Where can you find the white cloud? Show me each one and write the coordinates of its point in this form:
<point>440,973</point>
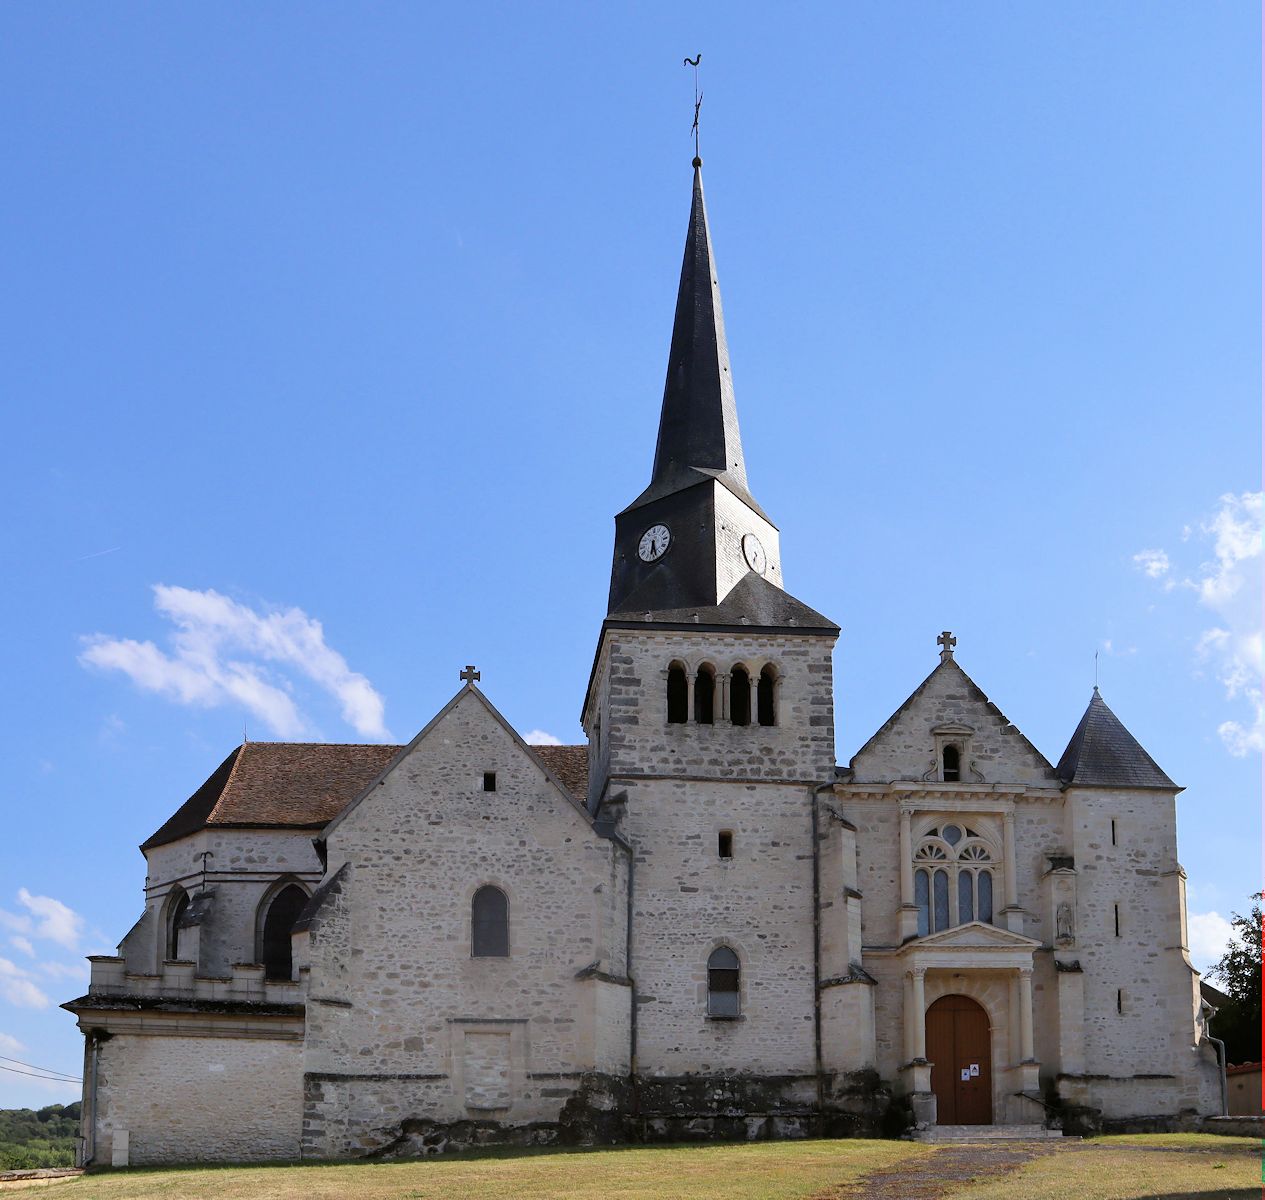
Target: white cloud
<point>1209,934</point>
<point>18,942</point>
<point>51,919</point>
<point>214,641</point>
<point>1154,562</point>
<point>18,987</point>
<point>538,737</point>
<point>10,1045</point>
<point>1230,587</point>
<point>75,970</point>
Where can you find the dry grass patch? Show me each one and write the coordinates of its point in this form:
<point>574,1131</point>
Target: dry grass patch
<point>1146,1167</point>
<point>753,1171</point>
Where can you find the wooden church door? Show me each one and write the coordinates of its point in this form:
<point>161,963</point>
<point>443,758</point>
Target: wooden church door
<point>960,1050</point>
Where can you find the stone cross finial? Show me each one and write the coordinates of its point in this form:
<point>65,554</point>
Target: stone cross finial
<point>470,675</point>
<point>947,641</point>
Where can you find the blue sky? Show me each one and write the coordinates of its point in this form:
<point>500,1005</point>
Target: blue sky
<point>333,336</point>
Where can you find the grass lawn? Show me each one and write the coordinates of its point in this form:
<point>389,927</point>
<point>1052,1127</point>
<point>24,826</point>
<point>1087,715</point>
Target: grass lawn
<point>1154,1167</point>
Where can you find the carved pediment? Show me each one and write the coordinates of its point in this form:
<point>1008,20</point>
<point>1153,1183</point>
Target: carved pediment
<point>974,935</point>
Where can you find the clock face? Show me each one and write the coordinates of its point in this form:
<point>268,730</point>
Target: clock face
<point>754,553</point>
<point>654,543</point>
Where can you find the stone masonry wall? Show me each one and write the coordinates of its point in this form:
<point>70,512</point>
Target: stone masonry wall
<point>404,1024</point>
<point>187,1099</point>
<point>674,788</point>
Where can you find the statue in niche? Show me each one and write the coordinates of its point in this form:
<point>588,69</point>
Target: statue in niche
<point>1065,930</point>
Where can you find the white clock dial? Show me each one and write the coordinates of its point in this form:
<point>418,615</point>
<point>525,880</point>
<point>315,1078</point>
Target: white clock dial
<point>754,553</point>
<point>654,543</point>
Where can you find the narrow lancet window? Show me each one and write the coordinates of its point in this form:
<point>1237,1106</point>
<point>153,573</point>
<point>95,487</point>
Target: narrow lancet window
<point>283,912</point>
<point>922,898</point>
<point>678,695</point>
<point>489,924</point>
<point>986,897</point>
<point>722,983</point>
<point>764,697</point>
<point>966,897</point>
<point>176,908</point>
<point>705,695</point>
<point>740,696</point>
<point>952,764</point>
<point>940,893</point>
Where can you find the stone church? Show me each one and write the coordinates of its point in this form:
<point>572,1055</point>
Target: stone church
<point>694,925</point>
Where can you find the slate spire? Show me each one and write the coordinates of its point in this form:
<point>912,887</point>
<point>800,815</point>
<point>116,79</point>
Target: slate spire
<point>698,424</point>
<point>1104,753</point>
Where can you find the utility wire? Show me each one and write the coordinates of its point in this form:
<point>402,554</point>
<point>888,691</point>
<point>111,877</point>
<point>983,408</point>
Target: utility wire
<point>44,1070</point>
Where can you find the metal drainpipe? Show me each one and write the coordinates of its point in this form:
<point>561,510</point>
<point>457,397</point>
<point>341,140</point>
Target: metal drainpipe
<point>1225,1087</point>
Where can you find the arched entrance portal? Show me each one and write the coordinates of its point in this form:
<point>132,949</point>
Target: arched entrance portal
<point>960,1050</point>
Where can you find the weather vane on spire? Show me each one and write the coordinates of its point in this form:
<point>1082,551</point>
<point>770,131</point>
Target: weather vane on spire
<point>698,102</point>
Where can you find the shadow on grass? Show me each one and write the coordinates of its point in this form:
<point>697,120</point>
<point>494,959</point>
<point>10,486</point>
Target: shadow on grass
<point>479,1153</point>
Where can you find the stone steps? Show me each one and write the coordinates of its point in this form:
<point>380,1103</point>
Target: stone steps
<point>985,1133</point>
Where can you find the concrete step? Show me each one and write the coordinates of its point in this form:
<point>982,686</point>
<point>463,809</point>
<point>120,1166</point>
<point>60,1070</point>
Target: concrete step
<point>985,1133</point>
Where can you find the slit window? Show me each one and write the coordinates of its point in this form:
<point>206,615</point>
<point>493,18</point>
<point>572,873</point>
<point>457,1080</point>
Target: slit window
<point>489,924</point>
<point>952,764</point>
<point>725,844</point>
<point>678,695</point>
<point>1113,831</point>
<point>740,696</point>
<point>489,781</point>
<point>764,697</point>
<point>705,696</point>
<point>722,983</point>
<point>1116,910</point>
<point>1120,1001</point>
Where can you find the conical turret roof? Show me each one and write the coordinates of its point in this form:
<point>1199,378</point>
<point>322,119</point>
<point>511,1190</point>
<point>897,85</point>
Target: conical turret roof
<point>1104,753</point>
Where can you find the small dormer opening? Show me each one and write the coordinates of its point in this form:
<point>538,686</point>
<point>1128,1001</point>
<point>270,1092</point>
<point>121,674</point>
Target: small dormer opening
<point>489,781</point>
<point>764,697</point>
<point>952,764</point>
<point>705,695</point>
<point>678,695</point>
<point>740,696</point>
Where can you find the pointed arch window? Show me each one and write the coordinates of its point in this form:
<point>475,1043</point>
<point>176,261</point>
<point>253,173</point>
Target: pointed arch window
<point>705,695</point>
<point>766,690</point>
<point>678,695</point>
<point>740,696</point>
<point>177,906</point>
<point>723,983</point>
<point>280,914</point>
<point>489,923</point>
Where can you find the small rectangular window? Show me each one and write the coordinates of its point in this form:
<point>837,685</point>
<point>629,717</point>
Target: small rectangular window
<point>1116,907</point>
<point>489,781</point>
<point>1113,831</point>
<point>725,844</point>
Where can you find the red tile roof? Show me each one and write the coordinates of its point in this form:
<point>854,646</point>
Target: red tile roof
<point>305,785</point>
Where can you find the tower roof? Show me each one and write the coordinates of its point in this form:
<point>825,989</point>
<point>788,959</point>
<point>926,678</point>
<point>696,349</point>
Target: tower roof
<point>698,424</point>
<point>1104,753</point>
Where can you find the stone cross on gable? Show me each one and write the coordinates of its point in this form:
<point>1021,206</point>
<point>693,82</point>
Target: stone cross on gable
<point>470,675</point>
<point>947,641</point>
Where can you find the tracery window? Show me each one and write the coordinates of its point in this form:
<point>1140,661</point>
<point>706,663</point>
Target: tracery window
<point>722,983</point>
<point>953,878</point>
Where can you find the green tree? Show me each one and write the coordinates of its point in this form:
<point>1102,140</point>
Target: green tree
<point>1238,1023</point>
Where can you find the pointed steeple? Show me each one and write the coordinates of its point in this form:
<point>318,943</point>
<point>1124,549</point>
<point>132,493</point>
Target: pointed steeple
<point>1104,753</point>
<point>698,424</point>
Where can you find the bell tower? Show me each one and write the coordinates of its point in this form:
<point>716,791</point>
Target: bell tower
<point>710,718</point>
